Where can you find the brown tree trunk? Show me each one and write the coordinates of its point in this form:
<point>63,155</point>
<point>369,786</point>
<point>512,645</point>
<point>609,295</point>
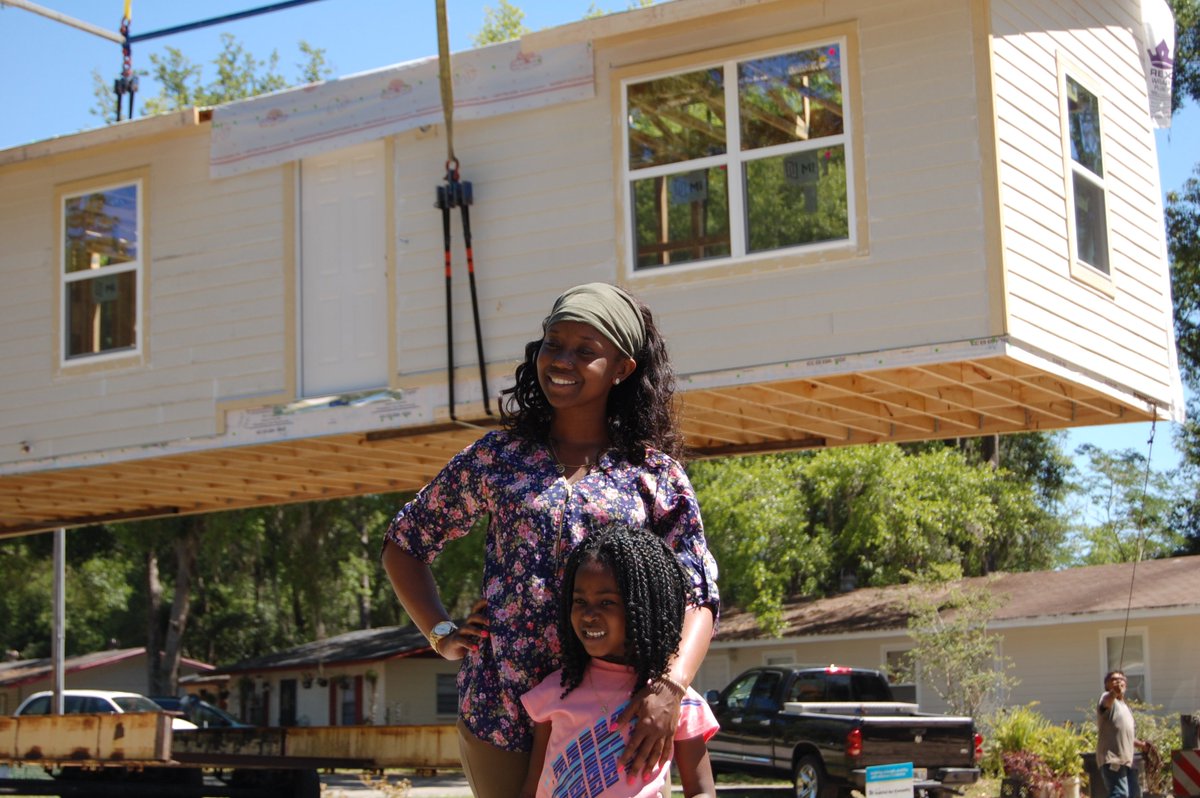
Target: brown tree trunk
<point>165,628</point>
<point>186,546</point>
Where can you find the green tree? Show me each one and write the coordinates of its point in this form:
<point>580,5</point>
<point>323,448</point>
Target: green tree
<point>953,651</point>
<point>502,23</point>
<point>1187,52</point>
<point>239,74</point>
<point>756,520</point>
<point>1130,509</point>
<point>1183,242</point>
<point>1183,232</point>
<point>787,524</point>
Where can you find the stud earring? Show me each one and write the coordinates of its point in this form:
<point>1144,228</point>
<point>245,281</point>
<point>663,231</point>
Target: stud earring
<point>617,381</point>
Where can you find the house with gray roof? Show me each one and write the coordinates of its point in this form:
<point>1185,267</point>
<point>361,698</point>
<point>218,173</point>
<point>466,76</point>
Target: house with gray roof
<point>379,676</point>
<point>1060,630</point>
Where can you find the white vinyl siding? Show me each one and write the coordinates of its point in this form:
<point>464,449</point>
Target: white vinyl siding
<point>1106,323</point>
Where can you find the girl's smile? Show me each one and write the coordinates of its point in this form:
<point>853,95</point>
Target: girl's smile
<point>598,613</point>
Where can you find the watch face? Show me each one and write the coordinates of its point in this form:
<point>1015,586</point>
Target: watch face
<point>443,628</point>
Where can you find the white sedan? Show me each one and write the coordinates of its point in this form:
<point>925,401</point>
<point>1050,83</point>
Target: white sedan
<point>95,702</point>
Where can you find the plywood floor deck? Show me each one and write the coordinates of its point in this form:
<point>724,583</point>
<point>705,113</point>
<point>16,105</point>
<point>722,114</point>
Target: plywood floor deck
<point>947,400</point>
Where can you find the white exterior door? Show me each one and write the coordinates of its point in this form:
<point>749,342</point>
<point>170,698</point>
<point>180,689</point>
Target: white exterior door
<point>343,272</point>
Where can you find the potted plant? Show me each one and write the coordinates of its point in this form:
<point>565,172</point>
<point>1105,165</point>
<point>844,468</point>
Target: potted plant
<point>1062,749</point>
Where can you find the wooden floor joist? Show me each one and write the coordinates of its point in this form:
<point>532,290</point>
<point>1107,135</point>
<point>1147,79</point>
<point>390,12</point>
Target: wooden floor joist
<point>910,403</point>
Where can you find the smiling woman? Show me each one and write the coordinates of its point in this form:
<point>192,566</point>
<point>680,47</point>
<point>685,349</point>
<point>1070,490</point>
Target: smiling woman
<point>590,439</point>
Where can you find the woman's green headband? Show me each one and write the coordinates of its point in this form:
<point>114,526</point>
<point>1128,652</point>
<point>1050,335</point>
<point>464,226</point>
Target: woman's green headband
<point>607,308</point>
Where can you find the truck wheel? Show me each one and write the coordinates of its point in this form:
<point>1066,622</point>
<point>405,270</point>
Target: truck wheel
<point>808,777</point>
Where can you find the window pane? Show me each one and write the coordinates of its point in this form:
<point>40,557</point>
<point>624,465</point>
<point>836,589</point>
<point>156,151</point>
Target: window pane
<point>1091,231</point>
<point>101,313</point>
<point>1127,655</point>
<point>681,217</point>
<point>1083,120</point>
<point>790,97</point>
<point>447,694</point>
<point>101,229</point>
<point>677,118</point>
<point>799,198</point>
<point>349,714</point>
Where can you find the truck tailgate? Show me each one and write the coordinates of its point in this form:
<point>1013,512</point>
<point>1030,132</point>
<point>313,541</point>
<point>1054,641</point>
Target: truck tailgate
<point>934,741</point>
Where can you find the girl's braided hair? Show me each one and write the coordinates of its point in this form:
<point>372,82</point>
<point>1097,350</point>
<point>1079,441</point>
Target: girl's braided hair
<point>654,590</point>
<point>640,412</point>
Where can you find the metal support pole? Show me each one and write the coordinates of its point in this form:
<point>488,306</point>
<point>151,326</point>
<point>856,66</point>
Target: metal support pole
<point>60,615</point>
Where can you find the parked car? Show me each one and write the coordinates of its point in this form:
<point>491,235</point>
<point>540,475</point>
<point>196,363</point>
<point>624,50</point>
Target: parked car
<point>823,727</point>
<point>199,712</point>
<point>97,701</point>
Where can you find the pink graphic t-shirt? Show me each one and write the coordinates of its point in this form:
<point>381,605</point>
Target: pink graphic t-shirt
<point>582,755</point>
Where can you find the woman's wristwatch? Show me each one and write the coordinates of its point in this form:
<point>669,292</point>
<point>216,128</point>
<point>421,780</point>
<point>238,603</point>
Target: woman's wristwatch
<point>441,630</point>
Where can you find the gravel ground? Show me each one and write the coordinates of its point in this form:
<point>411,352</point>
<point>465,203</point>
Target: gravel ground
<point>452,784</point>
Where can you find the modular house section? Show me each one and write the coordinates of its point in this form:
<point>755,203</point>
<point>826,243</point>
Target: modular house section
<point>856,223</point>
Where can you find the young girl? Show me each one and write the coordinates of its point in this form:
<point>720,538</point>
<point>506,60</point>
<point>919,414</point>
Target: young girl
<point>622,612</point>
<point>589,439</point>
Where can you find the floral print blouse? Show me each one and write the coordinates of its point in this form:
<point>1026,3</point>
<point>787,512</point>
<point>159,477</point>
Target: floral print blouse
<point>537,519</point>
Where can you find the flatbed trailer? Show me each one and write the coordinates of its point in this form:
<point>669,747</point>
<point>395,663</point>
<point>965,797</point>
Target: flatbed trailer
<point>138,754</point>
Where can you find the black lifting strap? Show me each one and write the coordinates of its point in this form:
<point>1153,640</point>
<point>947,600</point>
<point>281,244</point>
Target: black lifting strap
<point>128,82</point>
<point>457,193</point>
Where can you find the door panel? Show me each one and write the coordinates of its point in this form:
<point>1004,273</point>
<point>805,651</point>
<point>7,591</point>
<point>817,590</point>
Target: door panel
<point>343,272</point>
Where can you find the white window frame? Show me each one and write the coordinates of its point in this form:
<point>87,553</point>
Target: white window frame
<point>1144,671</point>
<point>884,651</point>
<point>137,266</point>
<point>779,656</point>
<point>1080,269</point>
<point>734,159</point>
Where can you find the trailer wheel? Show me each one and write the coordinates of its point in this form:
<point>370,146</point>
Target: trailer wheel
<point>305,784</point>
<point>808,777</point>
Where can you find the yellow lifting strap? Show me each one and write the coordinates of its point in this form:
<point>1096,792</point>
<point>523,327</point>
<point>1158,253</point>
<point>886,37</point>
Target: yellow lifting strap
<point>446,77</point>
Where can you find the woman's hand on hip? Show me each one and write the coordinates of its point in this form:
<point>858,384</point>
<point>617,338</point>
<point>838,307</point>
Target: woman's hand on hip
<point>468,637</point>
<point>649,746</point>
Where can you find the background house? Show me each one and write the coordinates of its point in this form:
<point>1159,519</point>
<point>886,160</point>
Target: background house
<point>380,676</point>
<point>856,222</point>
<point>1062,630</point>
<point>113,669</point>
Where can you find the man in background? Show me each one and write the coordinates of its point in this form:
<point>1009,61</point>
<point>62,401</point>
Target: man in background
<point>1115,743</point>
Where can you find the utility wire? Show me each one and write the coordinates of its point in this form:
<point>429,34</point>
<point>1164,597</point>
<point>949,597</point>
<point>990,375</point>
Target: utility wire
<point>154,34</point>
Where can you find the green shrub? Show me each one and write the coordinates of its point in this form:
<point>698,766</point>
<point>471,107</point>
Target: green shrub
<point>1062,748</point>
<point>1011,730</point>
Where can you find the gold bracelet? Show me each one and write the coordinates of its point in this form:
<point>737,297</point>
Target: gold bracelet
<point>676,686</point>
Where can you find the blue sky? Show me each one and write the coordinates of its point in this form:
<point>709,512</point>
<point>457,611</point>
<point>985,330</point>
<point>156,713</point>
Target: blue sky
<point>48,89</point>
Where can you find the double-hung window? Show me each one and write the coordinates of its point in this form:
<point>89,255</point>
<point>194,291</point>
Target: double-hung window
<point>739,157</point>
<point>1086,189</point>
<point>101,271</point>
<point>1125,651</point>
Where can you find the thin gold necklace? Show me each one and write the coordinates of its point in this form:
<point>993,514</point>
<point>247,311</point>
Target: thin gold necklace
<point>562,467</point>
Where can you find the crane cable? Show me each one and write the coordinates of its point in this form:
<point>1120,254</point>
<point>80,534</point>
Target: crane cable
<point>1141,540</point>
<point>455,193</point>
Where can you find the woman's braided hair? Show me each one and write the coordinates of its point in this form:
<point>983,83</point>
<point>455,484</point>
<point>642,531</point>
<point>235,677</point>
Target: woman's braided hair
<point>654,590</point>
<point>640,412</point>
